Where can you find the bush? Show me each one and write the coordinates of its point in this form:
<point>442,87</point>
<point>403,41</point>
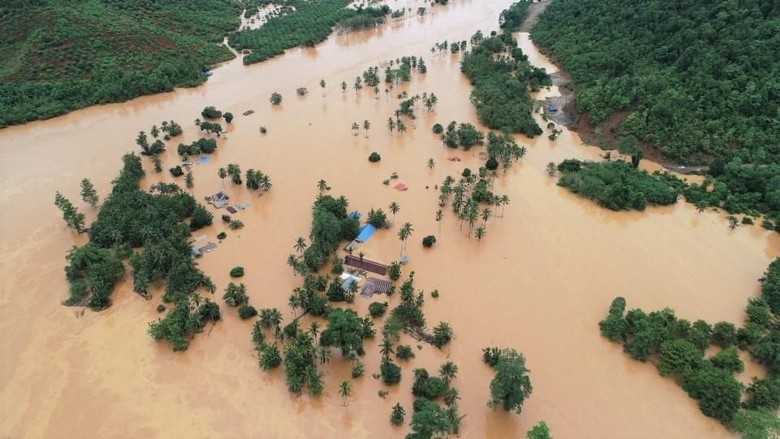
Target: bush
<point>200,218</point>
<point>404,352</point>
<point>428,241</point>
<point>237,271</point>
<point>276,98</point>
<point>211,113</point>
<point>438,129</point>
<point>161,308</point>
<point>374,157</point>
<point>221,235</point>
<point>377,309</point>
<point>177,171</point>
<point>394,273</point>
<point>225,218</point>
<point>228,117</point>
<point>391,373</point>
<point>269,357</point>
<point>235,224</point>
<point>247,312</point>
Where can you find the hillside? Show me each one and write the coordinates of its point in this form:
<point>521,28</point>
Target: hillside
<point>697,79</point>
<point>60,55</point>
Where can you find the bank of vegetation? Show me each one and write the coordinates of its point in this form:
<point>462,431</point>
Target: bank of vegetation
<point>57,56</point>
<point>696,80</point>
<point>303,23</point>
<point>703,358</point>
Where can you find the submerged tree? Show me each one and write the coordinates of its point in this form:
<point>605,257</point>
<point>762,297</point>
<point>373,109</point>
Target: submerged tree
<point>88,193</point>
<point>511,385</point>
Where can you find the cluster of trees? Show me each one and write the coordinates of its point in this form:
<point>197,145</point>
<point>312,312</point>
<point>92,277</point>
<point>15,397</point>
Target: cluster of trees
<point>155,225</point>
<point>691,77</point>
<point>364,18</point>
<point>200,146</point>
<point>679,349</point>
<point>467,195</point>
<point>236,296</point>
<point>92,53</point>
<point>511,385</point>
<point>744,188</point>
<point>464,134</point>
<point>502,150</point>
<point>429,417</point>
<point>330,226</point>
<point>304,23</point>
<point>502,77</point>
<point>618,185</point>
<point>258,180</point>
<point>70,214</point>
<point>513,17</point>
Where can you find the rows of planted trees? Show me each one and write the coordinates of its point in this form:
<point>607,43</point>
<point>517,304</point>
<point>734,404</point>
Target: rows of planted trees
<point>703,358</point>
<point>305,23</point>
<point>58,57</point>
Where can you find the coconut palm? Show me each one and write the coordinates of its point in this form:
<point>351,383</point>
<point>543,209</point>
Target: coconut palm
<point>394,208</point>
<point>390,124</point>
<point>504,203</point>
<point>439,217</point>
<point>345,390</point>
<point>222,173</point>
<point>324,354</point>
<point>355,128</point>
<point>322,185</point>
<point>480,233</point>
<point>300,244</point>
<point>486,214</point>
<point>366,126</point>
<point>314,329</point>
<point>322,85</point>
<point>431,163</point>
<point>448,371</point>
<point>264,182</point>
<point>404,234</point>
<point>292,261</point>
<point>401,126</point>
<point>234,171</point>
<point>386,349</point>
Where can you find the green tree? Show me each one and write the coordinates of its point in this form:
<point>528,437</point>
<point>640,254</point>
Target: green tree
<point>300,244</point>
<point>344,331</point>
<point>345,391</point>
<point>539,431</point>
<point>448,372</point>
<point>276,98</point>
<point>222,173</point>
<point>394,208</point>
<point>366,126</point>
<point>88,193</point>
<point>442,334</point>
<point>511,385</point>
<point>404,234</point>
<point>397,415</point>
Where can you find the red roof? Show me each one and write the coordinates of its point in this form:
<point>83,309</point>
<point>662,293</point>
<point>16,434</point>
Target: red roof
<point>401,186</point>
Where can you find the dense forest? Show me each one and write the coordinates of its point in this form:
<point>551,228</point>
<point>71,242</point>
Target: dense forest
<point>57,55</point>
<point>703,358</point>
<point>697,80</point>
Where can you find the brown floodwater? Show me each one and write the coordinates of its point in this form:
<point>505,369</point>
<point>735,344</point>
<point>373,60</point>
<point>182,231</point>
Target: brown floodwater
<point>539,282</point>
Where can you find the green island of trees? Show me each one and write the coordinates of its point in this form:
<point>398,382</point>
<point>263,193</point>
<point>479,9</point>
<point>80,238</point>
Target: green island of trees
<point>679,349</point>
<point>697,81</point>
<point>156,226</point>
<point>502,78</point>
<point>618,185</point>
<point>59,56</point>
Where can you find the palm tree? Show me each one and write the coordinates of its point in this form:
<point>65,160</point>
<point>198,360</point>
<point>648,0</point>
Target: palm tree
<point>300,244</point>
<point>264,182</point>
<point>448,371</point>
<point>480,233</point>
<point>222,174</point>
<point>486,214</point>
<point>345,390</point>
<point>322,85</point>
<point>504,200</point>
<point>394,208</point>
<point>404,234</point>
<point>390,124</point>
<point>343,86</point>
<point>400,126</point>
<point>322,185</point>
<point>439,217</point>
<point>324,355</point>
<point>355,128</point>
<point>431,163</point>
<point>386,348</point>
<point>366,126</point>
<point>292,261</point>
<point>314,329</point>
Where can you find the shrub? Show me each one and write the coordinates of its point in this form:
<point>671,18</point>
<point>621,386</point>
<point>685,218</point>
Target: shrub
<point>404,352</point>
<point>398,415</point>
<point>235,224</point>
<point>247,312</point>
<point>237,271</point>
<point>221,235</point>
<point>270,358</point>
<point>394,273</point>
<point>438,129</point>
<point>161,308</point>
<point>263,130</point>
<point>377,309</point>
<point>374,157</point>
<point>225,218</point>
<point>276,98</point>
<point>211,113</point>
<point>391,373</point>
<point>177,171</point>
<point>428,241</point>
<point>228,117</point>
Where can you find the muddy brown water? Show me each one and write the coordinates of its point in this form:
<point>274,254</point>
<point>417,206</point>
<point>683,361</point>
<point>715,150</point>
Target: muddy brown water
<point>539,282</point>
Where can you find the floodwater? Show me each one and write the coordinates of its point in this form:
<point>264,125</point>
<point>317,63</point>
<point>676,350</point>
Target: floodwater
<point>539,282</point>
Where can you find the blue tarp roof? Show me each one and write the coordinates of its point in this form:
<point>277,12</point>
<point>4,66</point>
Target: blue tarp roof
<point>365,233</point>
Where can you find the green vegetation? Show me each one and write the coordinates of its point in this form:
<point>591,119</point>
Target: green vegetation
<point>429,241</point>
<point>502,77</point>
<point>688,80</point>
<point>686,76</point>
<point>512,17</point>
<point>618,185</point>
<point>678,348</point>
<point>511,385</point>
<point>72,217</point>
<point>398,415</point>
<point>330,225</point>
<point>57,56</point>
<point>302,23</point>
<point>374,157</point>
<point>198,147</point>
